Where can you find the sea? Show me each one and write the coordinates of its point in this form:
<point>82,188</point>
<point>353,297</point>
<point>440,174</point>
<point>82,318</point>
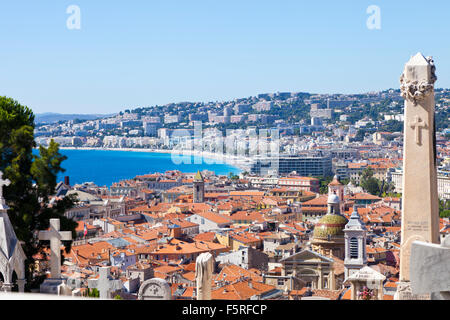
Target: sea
<point>104,167</point>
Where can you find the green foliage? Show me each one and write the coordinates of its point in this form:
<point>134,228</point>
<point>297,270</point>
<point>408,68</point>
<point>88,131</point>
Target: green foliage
<point>443,119</point>
<point>93,293</point>
<point>444,209</point>
<point>360,135</point>
<point>392,126</point>
<point>373,185</point>
<point>232,176</point>
<point>33,180</point>
<point>323,184</point>
<point>118,297</point>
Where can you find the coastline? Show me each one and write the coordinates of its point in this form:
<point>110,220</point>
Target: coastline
<point>240,162</point>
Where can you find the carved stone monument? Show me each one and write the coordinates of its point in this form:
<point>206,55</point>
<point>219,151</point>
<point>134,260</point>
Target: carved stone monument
<point>155,289</point>
<point>430,269</point>
<point>204,267</point>
<point>105,284</point>
<point>12,257</point>
<point>420,215</point>
<point>53,285</point>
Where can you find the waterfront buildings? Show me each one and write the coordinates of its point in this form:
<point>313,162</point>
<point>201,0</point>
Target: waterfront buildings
<point>312,166</point>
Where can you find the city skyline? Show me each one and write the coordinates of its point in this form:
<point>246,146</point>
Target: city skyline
<point>157,53</point>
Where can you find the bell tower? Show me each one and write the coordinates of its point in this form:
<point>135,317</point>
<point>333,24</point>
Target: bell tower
<point>355,244</point>
<point>199,188</point>
<point>337,188</point>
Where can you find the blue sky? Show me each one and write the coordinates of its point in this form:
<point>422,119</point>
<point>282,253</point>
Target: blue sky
<point>142,53</point>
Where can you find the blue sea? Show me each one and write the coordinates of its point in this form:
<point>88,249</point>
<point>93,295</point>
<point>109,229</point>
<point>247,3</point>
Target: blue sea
<point>104,167</point>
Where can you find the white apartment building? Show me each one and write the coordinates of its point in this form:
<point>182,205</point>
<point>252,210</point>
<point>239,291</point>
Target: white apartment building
<point>443,182</point>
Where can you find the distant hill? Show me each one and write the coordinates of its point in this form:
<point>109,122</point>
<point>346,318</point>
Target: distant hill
<point>50,117</point>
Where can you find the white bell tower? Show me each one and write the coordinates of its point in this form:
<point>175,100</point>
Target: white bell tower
<point>355,244</point>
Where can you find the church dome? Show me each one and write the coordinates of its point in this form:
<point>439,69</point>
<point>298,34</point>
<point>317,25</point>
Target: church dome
<point>330,225</point>
<point>332,199</point>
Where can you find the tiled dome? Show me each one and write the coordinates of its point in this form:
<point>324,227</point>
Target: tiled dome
<point>330,225</point>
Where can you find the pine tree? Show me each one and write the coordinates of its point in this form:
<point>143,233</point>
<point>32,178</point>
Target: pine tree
<point>33,181</point>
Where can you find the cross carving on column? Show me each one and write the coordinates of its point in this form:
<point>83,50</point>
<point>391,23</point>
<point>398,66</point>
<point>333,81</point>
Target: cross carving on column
<point>3,183</point>
<point>417,125</point>
<point>55,236</point>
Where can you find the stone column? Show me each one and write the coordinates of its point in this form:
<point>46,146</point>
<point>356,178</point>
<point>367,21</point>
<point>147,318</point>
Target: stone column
<point>7,287</point>
<point>21,284</point>
<point>420,215</point>
<point>204,266</point>
<point>353,288</point>
<point>320,281</point>
<point>331,279</point>
<point>380,291</point>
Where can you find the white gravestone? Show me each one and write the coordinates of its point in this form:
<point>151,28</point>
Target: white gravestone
<point>155,289</point>
<point>430,269</point>
<point>55,236</point>
<point>204,267</point>
<point>105,284</point>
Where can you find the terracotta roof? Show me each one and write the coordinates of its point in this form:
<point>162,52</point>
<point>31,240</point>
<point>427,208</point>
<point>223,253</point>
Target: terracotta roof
<point>241,290</point>
<point>335,182</point>
<point>215,217</point>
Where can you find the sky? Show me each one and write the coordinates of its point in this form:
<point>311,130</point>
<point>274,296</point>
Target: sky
<point>142,53</point>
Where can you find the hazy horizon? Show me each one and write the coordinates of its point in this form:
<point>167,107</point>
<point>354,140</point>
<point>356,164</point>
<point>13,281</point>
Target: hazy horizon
<point>150,53</point>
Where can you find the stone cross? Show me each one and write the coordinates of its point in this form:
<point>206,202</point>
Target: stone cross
<point>430,269</point>
<point>420,213</point>
<point>417,125</point>
<point>204,267</point>
<point>105,284</point>
<point>55,236</point>
<point>3,183</point>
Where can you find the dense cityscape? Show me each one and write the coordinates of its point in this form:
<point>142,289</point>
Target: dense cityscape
<point>277,234</point>
<point>224,158</point>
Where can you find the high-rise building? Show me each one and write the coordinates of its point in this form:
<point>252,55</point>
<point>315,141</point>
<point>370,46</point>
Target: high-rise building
<point>307,166</point>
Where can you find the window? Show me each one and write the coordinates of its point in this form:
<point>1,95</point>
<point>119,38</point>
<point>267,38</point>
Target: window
<point>281,282</point>
<point>353,248</point>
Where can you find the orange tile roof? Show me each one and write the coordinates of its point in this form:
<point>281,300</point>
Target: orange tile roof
<point>215,217</point>
<point>247,193</point>
<point>241,290</point>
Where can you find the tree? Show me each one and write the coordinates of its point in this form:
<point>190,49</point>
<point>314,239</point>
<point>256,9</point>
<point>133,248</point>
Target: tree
<point>360,135</point>
<point>444,208</point>
<point>369,182</point>
<point>33,181</point>
<point>323,184</point>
